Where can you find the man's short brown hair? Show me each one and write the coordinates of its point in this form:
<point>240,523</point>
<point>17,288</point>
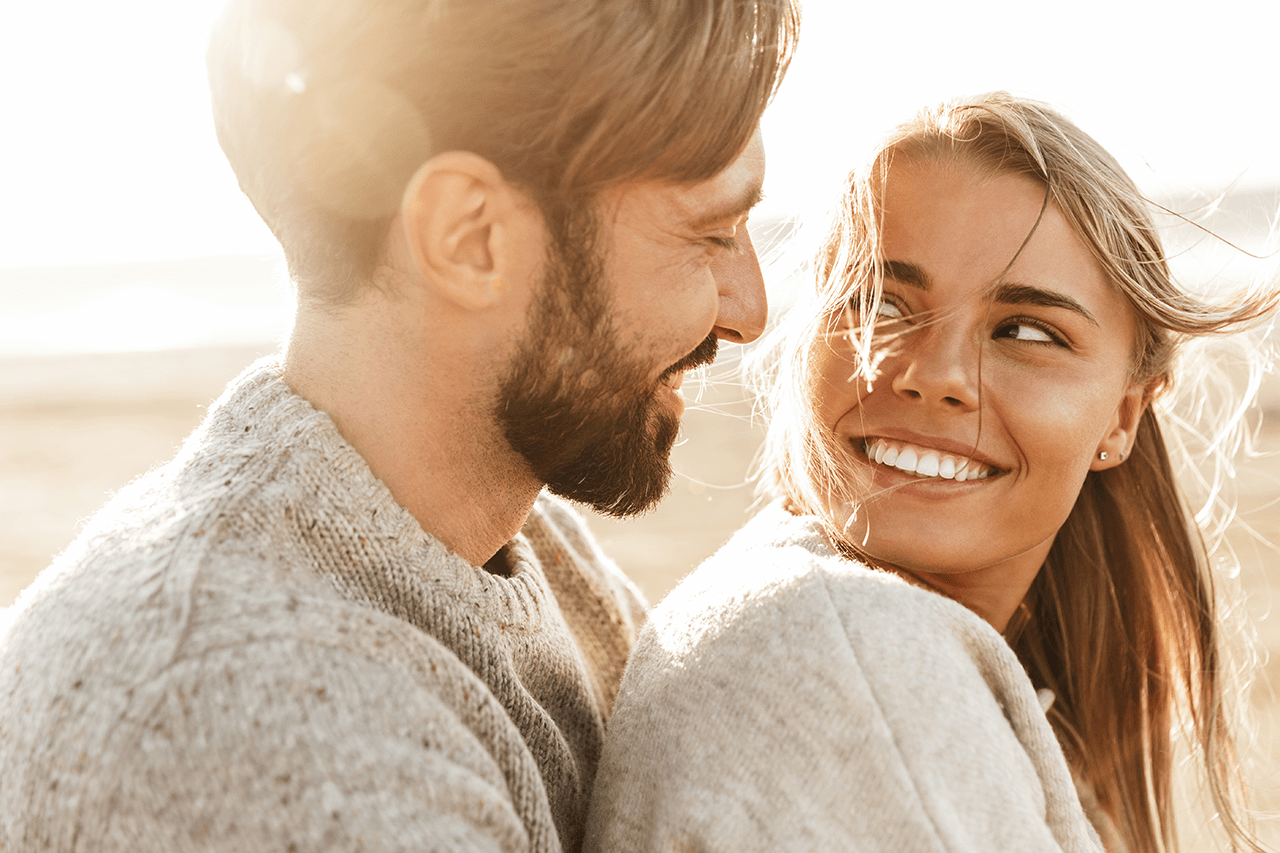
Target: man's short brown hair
<point>325,108</point>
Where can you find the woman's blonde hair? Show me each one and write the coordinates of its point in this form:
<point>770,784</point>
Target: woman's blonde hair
<point>1123,621</point>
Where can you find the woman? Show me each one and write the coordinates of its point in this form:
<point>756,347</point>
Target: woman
<point>980,600</point>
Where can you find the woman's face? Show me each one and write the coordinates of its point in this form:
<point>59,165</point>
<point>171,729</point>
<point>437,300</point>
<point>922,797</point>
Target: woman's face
<point>994,396</point>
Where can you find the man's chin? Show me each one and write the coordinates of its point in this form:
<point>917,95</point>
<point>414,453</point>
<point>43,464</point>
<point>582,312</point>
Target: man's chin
<point>625,475</point>
<point>671,399</point>
<point>613,505</point>
<point>609,501</point>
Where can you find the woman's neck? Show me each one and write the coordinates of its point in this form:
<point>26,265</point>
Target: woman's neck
<point>994,593</point>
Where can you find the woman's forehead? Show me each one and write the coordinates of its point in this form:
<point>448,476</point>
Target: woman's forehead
<point>961,223</point>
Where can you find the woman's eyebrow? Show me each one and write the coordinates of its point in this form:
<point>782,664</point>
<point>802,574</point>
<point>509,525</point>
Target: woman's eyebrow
<point>906,273</point>
<point>1008,293</point>
<point>1024,294</point>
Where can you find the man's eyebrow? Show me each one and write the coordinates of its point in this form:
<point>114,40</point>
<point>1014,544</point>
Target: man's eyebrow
<point>749,198</point>
<point>1007,293</point>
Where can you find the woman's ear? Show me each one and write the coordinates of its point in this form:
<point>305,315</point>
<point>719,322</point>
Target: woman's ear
<point>458,213</point>
<point>1117,445</point>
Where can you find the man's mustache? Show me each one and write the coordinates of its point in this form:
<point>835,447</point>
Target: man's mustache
<point>704,354</point>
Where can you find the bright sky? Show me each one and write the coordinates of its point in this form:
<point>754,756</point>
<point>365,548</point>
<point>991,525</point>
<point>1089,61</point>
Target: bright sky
<point>108,154</point>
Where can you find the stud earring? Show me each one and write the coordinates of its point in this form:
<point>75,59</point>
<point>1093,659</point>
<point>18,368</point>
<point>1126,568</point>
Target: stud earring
<point>1103,456</point>
<point>1121,455</point>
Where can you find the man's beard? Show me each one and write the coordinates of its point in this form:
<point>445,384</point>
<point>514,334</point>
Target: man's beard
<point>585,416</point>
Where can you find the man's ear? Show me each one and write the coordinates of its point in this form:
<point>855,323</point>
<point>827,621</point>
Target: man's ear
<point>1117,445</point>
<point>458,213</point>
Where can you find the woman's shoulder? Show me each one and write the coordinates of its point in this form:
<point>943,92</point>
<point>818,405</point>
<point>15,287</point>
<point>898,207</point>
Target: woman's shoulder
<point>780,664</point>
<point>781,569</point>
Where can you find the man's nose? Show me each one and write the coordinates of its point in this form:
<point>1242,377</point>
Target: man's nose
<point>743,308</point>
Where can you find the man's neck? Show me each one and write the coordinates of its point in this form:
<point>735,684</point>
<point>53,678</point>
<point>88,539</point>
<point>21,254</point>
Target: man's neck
<point>417,409</point>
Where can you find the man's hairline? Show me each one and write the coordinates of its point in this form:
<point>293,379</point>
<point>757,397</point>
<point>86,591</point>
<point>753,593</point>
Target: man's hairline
<point>742,204</point>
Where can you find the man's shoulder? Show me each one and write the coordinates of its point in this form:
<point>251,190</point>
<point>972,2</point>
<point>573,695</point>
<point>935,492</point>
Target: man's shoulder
<point>173,655</point>
<point>179,677</point>
<point>133,603</point>
<point>252,711</point>
<point>210,558</point>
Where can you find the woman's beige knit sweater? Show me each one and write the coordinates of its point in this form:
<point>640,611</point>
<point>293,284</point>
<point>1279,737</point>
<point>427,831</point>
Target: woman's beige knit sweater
<point>786,699</point>
<point>255,648</point>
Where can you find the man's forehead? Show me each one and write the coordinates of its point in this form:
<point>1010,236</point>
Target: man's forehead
<point>729,207</point>
<point>724,197</point>
<point>734,191</point>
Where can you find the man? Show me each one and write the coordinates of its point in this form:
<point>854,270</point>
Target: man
<point>347,616</point>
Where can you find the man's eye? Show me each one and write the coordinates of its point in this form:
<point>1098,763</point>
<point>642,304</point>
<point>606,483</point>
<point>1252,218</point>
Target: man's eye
<point>729,244</point>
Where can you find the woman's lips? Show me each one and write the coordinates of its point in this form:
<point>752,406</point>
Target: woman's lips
<point>923,461</point>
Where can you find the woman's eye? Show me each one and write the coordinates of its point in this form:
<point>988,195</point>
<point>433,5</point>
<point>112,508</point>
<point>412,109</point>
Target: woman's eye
<point>889,311</point>
<point>885,310</point>
<point>1025,332</point>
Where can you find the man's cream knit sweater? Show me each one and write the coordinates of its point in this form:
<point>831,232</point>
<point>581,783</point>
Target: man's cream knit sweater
<point>784,698</point>
<point>255,648</point>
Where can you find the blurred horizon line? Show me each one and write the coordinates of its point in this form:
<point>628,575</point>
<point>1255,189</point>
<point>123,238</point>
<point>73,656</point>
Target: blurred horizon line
<point>1183,200</point>
<point>182,303</point>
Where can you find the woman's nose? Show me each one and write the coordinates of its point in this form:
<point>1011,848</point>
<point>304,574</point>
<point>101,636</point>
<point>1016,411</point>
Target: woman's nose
<point>937,365</point>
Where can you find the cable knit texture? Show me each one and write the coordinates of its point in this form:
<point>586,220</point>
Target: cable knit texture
<point>784,698</point>
<point>256,648</point>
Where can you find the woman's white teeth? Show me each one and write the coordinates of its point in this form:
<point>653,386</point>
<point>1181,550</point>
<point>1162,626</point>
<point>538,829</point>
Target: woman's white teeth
<point>923,462</point>
<point>929,465</point>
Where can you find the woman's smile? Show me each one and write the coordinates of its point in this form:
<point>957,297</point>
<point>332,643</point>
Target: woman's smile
<point>923,462</point>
